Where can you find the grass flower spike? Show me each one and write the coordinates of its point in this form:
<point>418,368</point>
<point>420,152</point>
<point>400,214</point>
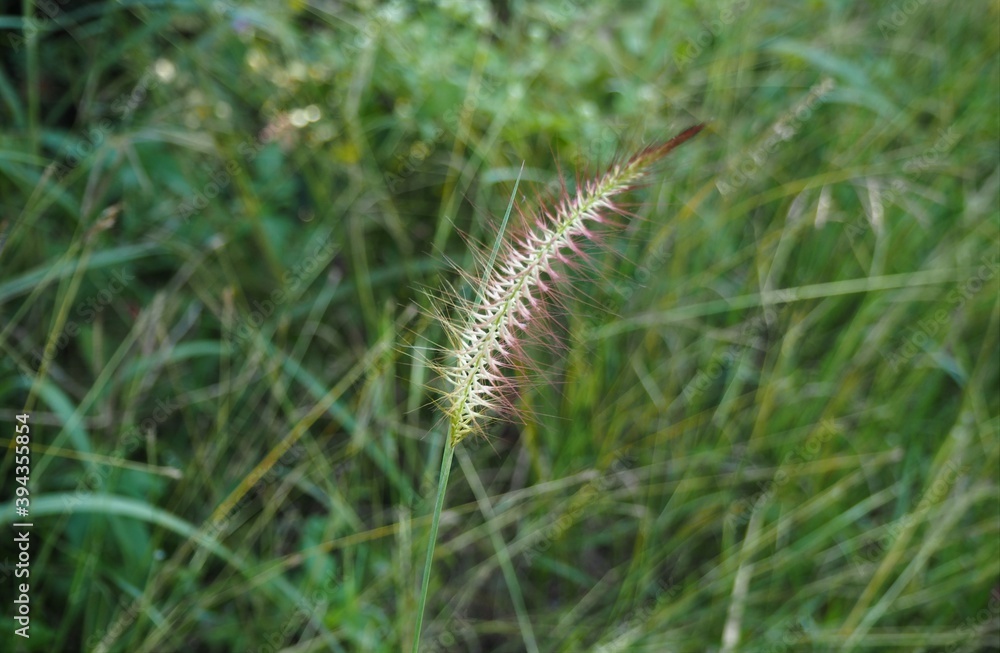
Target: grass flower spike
<point>484,339</point>
<point>487,334</point>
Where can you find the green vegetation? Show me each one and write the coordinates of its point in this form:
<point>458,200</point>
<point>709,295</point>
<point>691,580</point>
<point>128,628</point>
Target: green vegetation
<point>771,419</point>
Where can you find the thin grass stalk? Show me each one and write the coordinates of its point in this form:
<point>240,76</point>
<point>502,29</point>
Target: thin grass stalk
<point>446,457</point>
<point>449,448</point>
<point>488,327</point>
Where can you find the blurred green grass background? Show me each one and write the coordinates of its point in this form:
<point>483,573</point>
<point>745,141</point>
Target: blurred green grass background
<point>772,422</point>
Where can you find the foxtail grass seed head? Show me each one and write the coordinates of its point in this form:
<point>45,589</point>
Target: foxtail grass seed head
<point>489,330</point>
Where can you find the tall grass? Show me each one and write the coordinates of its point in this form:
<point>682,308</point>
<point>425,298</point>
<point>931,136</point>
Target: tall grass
<point>772,423</point>
<point>489,330</point>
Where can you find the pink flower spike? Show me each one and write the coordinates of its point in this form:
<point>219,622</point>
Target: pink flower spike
<point>486,337</point>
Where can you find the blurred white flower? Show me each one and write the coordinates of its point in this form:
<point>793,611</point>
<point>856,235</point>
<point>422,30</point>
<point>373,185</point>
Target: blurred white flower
<point>165,70</point>
<point>298,118</point>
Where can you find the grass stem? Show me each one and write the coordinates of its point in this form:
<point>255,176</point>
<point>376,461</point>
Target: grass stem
<point>446,458</point>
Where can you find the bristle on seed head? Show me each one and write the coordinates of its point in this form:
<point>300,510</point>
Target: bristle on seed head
<point>488,332</point>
